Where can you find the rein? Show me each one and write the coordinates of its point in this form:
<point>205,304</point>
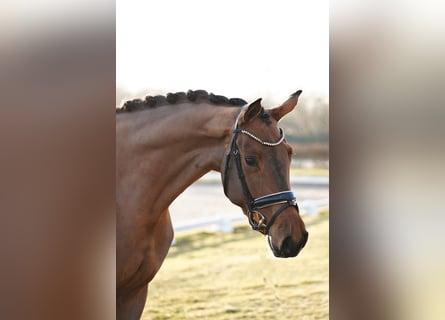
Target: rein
<point>286,198</point>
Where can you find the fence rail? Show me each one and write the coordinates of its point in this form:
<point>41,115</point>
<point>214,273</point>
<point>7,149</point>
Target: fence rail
<point>294,180</point>
<point>224,223</point>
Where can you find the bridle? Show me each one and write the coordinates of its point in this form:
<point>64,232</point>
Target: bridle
<point>286,198</point>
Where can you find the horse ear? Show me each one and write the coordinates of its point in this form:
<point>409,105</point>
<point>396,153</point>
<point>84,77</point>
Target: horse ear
<point>253,110</point>
<point>286,106</point>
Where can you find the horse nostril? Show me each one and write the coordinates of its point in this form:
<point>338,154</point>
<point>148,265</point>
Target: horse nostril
<point>289,248</point>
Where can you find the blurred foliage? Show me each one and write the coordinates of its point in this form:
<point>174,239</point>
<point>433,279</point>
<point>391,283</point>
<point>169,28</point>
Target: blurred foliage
<point>309,122</point>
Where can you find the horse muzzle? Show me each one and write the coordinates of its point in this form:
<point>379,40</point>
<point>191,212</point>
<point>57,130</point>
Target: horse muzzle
<point>289,247</point>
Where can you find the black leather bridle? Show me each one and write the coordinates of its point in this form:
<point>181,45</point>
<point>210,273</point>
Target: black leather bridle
<point>256,219</point>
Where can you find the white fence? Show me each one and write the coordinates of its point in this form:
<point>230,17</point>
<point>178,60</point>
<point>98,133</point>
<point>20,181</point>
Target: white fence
<point>224,223</point>
<point>294,180</point>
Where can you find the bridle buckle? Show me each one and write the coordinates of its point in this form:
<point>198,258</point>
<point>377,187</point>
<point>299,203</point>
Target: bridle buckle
<point>261,225</point>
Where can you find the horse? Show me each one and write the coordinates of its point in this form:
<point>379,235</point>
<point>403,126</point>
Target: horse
<point>164,144</point>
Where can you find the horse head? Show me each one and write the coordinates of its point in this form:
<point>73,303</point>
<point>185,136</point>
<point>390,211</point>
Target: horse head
<point>255,174</point>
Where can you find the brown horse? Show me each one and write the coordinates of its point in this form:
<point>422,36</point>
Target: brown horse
<point>164,144</point>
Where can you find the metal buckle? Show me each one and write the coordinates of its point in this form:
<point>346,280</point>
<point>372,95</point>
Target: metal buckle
<point>261,225</point>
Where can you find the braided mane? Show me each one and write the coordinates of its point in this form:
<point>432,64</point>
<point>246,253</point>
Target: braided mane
<point>178,97</point>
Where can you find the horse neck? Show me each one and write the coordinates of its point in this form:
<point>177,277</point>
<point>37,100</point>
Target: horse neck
<point>173,146</point>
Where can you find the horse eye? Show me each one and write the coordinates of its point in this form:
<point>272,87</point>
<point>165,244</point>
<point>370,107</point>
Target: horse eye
<point>251,161</point>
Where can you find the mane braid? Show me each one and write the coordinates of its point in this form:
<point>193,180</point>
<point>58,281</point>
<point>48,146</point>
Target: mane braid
<point>195,96</point>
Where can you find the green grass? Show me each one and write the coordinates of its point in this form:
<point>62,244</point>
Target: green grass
<point>234,276</point>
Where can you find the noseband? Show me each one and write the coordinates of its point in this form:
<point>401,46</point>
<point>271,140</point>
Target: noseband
<point>286,198</point>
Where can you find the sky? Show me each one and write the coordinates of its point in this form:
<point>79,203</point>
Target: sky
<point>246,49</point>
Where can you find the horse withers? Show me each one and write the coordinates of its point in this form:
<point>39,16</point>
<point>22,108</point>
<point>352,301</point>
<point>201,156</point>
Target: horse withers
<point>164,144</point>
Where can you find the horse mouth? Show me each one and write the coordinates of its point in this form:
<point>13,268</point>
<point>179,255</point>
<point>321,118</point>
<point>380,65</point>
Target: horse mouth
<point>289,248</point>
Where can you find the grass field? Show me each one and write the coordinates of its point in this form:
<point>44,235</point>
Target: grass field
<point>234,276</point>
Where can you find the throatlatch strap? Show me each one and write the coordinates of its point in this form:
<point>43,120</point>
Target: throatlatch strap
<point>232,147</point>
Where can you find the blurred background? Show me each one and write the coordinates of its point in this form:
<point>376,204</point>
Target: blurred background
<point>59,68</point>
<point>245,49</point>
